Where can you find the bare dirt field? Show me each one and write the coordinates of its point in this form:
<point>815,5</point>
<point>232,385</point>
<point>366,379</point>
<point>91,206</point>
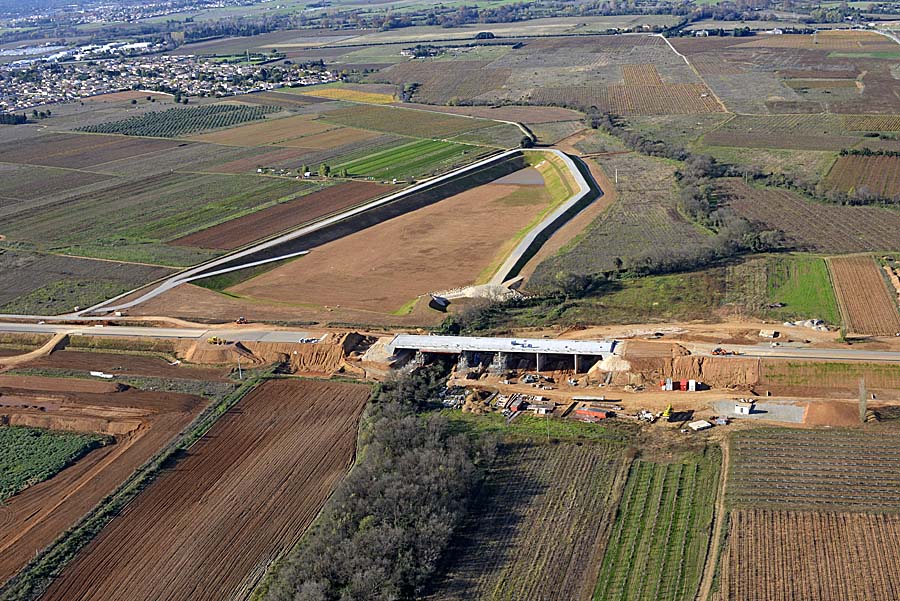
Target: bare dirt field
<point>829,380</point>
<point>334,138</point>
<point>126,95</point>
<point>382,268</point>
<point>76,151</point>
<point>291,101</point>
<point>119,364</point>
<point>786,555</point>
<point>868,307</point>
<point>142,423</point>
<point>268,131</point>
<point>193,302</point>
<point>280,217</point>
<point>273,157</point>
<point>243,495</point>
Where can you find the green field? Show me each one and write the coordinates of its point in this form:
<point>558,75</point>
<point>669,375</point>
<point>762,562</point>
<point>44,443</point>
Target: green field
<point>800,282</point>
<point>538,428</point>
<point>657,548</point>
<point>676,297</point>
<point>417,158</point>
<point>406,122</point>
<point>31,455</point>
<point>803,284</point>
<point>134,220</point>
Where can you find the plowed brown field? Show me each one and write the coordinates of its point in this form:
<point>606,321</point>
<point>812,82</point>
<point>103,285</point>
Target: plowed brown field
<point>786,555</point>
<point>866,303</point>
<point>245,493</point>
<point>142,423</point>
<point>255,226</point>
<point>134,365</point>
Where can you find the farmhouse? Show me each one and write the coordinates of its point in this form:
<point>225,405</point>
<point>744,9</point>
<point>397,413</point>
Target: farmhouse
<point>502,352</point>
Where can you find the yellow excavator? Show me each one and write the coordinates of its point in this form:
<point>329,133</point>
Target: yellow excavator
<point>215,340</point>
<point>667,413</point>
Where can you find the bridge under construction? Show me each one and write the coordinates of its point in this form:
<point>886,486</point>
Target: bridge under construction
<point>502,352</point>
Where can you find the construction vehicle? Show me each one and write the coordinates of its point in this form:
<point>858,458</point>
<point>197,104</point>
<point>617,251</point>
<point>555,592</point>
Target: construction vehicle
<point>240,321</point>
<point>667,413</point>
<point>215,340</point>
<point>720,352</point>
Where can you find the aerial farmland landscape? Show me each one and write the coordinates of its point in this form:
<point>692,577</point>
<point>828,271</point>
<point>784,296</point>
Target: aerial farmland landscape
<point>527,300</point>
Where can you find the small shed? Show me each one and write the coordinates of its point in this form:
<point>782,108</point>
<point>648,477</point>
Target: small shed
<point>743,407</point>
<point>541,407</point>
<point>700,425</point>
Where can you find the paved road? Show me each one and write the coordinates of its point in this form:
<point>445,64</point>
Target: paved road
<point>793,352</point>
<point>250,334</point>
<point>231,335</point>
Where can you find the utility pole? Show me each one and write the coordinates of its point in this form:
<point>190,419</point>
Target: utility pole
<point>240,372</point>
<point>862,401</point>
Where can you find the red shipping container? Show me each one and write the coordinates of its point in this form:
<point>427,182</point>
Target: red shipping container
<point>684,385</point>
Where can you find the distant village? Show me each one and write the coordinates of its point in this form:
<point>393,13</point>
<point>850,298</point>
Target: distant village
<point>72,74</point>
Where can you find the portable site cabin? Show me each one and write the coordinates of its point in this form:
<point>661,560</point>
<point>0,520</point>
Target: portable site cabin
<point>743,407</point>
<point>592,413</point>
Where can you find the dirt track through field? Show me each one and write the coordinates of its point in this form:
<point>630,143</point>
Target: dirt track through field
<point>207,528</point>
<point>142,422</point>
<point>712,555</point>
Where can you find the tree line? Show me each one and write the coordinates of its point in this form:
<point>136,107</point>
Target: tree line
<point>12,119</point>
<point>382,534</point>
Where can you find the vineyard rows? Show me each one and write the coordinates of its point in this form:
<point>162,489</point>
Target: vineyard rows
<point>816,226</point>
<point>644,218</point>
<point>658,543</point>
<point>831,470</point>
<point>878,175</point>
<point>668,99</point>
<point>536,532</point>
<point>641,75</point>
<point>786,555</point>
<point>174,123</point>
<point>868,306</point>
<point>872,122</point>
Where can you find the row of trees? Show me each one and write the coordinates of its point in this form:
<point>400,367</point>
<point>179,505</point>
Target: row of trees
<point>868,152</point>
<point>12,119</point>
<point>383,532</point>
